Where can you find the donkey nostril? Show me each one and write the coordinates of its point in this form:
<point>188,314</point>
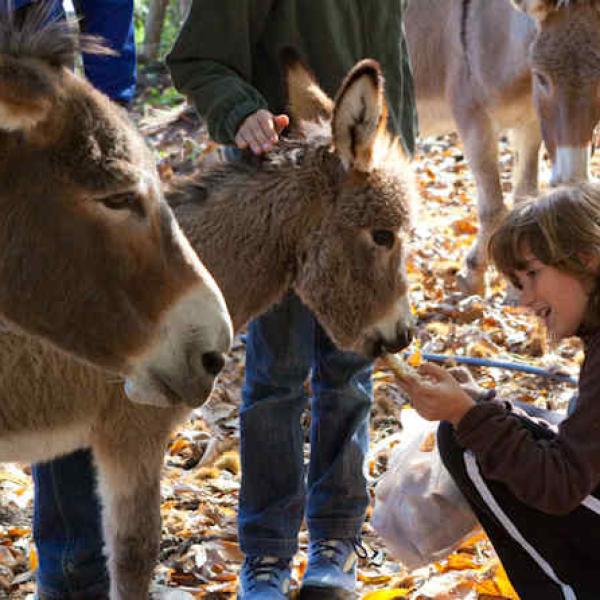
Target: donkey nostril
<point>213,362</point>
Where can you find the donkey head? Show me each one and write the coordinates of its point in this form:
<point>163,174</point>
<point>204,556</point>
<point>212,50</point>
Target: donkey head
<point>92,259</point>
<point>565,62</point>
<point>351,267</point>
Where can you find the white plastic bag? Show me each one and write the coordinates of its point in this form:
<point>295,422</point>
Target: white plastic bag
<point>420,514</point>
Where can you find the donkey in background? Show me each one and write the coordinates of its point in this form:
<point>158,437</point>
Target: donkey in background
<point>529,66</point>
<point>326,214</point>
<point>91,257</point>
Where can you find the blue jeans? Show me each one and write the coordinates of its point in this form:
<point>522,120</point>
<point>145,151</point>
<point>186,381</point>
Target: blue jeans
<point>112,20</point>
<point>67,529</point>
<point>115,76</point>
<point>282,347</point>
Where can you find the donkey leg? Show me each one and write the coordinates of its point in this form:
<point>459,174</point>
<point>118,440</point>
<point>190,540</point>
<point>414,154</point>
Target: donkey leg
<point>526,141</point>
<point>480,142</point>
<point>129,486</point>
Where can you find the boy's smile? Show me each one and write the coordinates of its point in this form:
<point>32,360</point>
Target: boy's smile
<point>558,298</point>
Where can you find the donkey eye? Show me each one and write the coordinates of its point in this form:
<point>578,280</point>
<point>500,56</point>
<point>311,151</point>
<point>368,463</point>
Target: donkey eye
<point>128,201</point>
<point>543,82</point>
<point>384,237</point>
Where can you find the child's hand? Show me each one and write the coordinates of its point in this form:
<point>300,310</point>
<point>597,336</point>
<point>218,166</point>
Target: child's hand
<point>436,395</point>
<point>466,381</point>
<point>260,131</point>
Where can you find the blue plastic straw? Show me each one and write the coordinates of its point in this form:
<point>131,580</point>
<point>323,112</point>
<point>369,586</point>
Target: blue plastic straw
<point>500,364</point>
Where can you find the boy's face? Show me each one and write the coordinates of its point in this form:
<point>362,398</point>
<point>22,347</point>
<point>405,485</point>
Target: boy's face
<point>558,298</point>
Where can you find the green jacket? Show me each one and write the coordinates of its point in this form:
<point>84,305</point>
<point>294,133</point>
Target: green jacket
<point>227,56</point>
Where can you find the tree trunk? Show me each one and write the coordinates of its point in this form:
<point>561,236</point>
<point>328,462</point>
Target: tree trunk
<point>152,30</point>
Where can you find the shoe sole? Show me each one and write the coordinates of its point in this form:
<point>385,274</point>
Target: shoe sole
<point>324,593</point>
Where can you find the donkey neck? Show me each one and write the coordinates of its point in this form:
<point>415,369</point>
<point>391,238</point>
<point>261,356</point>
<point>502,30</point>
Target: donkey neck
<point>247,221</point>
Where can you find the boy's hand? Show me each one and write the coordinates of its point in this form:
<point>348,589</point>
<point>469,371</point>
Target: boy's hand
<point>260,131</point>
<point>436,395</point>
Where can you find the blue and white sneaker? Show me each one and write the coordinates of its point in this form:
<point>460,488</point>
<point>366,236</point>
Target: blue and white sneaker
<point>331,570</point>
<point>265,578</point>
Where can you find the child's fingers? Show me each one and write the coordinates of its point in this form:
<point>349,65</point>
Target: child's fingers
<point>266,128</point>
<point>461,374</point>
<point>434,372</point>
<point>241,141</point>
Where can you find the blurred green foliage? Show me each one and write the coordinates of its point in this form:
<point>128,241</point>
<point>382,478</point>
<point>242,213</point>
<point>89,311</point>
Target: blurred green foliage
<point>164,96</point>
<point>154,84</point>
<point>173,21</point>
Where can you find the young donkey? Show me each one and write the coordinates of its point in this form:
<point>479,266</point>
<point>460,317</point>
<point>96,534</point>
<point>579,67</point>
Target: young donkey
<point>326,214</point>
<point>531,66</point>
<point>85,232</point>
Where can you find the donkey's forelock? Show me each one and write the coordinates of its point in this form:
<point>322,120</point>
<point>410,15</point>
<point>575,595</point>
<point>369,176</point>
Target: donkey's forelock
<point>37,34</point>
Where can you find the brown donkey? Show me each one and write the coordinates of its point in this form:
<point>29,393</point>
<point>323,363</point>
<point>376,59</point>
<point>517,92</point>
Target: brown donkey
<point>530,66</point>
<point>92,259</point>
<point>326,214</point>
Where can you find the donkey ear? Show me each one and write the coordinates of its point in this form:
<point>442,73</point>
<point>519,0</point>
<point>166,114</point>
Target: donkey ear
<point>360,113</point>
<point>306,100</point>
<point>26,93</point>
<point>538,9</point>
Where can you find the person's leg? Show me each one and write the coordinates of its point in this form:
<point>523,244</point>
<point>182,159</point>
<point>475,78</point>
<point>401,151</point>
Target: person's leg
<point>112,20</point>
<point>67,530</point>
<point>337,488</point>
<point>278,354</point>
<point>545,556</point>
<point>339,441</point>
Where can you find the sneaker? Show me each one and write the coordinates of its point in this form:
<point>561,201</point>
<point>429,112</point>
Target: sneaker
<point>265,578</point>
<point>331,570</point>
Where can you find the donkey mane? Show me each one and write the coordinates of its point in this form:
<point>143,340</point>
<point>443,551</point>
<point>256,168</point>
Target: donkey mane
<point>310,149</point>
<point>38,35</point>
<point>290,154</point>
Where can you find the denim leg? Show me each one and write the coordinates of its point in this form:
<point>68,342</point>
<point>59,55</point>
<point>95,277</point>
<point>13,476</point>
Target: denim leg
<point>67,528</point>
<point>278,355</point>
<point>115,76</point>
<point>337,487</point>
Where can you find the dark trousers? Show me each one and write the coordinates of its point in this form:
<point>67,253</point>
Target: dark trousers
<point>545,556</point>
<point>283,347</point>
<point>67,529</point>
<point>111,20</point>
